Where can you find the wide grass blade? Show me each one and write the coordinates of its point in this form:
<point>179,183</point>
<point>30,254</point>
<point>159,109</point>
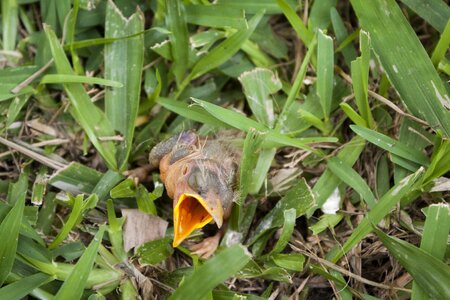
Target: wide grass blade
<point>179,38</point>
<point>74,285</point>
<point>259,84</point>
<point>435,12</point>
<point>24,286</point>
<point>10,226</point>
<point>434,239</point>
<point>405,61</point>
<point>10,20</point>
<point>123,63</point>
<point>89,116</point>
<point>212,273</point>
<point>431,274</point>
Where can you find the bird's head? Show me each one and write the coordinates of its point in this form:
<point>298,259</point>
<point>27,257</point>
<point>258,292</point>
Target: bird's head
<point>201,196</point>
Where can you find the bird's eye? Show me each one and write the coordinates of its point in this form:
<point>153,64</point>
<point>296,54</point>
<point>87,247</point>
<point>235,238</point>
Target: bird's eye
<point>185,170</point>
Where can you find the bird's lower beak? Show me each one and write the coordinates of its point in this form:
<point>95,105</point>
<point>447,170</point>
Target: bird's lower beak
<point>193,212</point>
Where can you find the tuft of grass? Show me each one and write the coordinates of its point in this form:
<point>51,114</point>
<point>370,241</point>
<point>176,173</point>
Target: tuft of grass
<point>343,101</point>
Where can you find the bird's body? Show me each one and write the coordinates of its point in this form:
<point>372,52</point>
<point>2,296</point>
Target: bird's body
<point>200,176</point>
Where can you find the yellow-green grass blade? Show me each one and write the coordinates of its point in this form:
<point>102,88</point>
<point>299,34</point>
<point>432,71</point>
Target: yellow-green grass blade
<point>89,116</point>
<point>10,20</point>
<point>215,271</point>
<point>75,283</point>
<point>434,239</point>
<point>176,23</point>
<point>435,12</point>
<point>123,63</point>
<point>442,46</point>
<point>405,61</point>
<point>431,274</point>
<point>406,186</point>
<point>58,78</point>
<point>10,226</point>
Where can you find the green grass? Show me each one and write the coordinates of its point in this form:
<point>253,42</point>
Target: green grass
<point>87,88</point>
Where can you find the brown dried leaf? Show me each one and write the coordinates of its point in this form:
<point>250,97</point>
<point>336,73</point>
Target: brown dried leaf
<point>141,228</point>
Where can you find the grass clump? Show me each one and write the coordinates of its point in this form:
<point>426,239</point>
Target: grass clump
<point>341,101</point>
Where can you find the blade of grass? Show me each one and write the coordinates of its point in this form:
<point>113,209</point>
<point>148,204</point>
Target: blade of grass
<point>391,145</point>
<point>432,275</point>
<point>346,173</point>
<point>211,16</point>
<point>328,182</point>
<point>76,178</point>
<point>21,288</point>
<point>89,116</point>
<point>10,22</point>
<point>434,239</point>
<point>341,34</point>
<point>216,270</point>
<point>248,163</point>
<point>123,63</point>
<point>176,23</point>
<point>360,79</point>
<point>241,122</point>
<point>259,84</point>
<point>442,46</point>
<point>286,233</point>
<point>325,68</point>
<point>381,209</point>
<point>71,221</point>
<point>302,31</point>
<point>58,78</point>
<point>298,81</point>
<point>353,115</point>
<point>74,285</point>
<point>418,83</point>
<point>435,12</point>
<point>222,52</point>
<point>299,197</point>
<point>10,226</point>
<point>254,6</point>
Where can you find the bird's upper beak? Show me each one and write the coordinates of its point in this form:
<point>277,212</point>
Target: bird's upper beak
<point>193,212</point>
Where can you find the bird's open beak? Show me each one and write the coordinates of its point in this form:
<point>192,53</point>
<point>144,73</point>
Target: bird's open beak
<point>193,212</point>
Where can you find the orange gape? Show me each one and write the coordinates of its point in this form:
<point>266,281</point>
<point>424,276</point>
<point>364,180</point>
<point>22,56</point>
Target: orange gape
<point>189,214</point>
<point>199,175</point>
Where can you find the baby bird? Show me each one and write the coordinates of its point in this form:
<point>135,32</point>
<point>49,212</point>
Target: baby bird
<point>200,176</point>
